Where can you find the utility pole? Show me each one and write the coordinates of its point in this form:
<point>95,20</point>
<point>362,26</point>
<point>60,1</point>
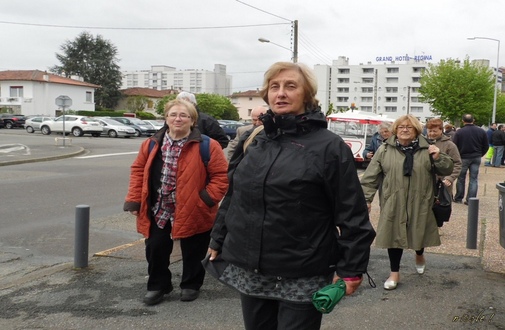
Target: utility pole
<point>295,41</point>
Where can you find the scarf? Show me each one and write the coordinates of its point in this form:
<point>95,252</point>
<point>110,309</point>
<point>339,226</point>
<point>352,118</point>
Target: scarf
<point>409,152</point>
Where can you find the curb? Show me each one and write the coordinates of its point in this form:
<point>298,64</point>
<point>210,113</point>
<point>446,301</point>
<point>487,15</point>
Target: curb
<point>43,159</point>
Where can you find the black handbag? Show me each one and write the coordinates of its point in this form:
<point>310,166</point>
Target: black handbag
<point>442,204</point>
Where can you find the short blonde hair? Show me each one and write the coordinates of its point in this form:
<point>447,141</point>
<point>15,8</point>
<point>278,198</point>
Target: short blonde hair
<point>190,107</point>
<point>309,81</point>
<point>413,121</point>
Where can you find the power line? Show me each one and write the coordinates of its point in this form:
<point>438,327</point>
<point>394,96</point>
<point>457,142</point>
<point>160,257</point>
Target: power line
<point>140,28</point>
<point>263,11</point>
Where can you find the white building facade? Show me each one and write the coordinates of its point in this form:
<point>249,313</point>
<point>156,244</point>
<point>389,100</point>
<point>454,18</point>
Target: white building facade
<point>388,88</point>
<point>34,92</point>
<point>162,77</point>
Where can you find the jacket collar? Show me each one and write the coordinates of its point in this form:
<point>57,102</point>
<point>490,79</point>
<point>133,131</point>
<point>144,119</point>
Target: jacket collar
<point>276,125</point>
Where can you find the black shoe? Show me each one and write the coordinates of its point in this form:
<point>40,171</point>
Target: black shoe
<point>155,297</point>
<point>457,201</point>
<point>189,294</point>
<point>465,202</point>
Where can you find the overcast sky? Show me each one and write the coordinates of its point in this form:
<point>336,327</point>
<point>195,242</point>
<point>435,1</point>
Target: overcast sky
<point>360,30</point>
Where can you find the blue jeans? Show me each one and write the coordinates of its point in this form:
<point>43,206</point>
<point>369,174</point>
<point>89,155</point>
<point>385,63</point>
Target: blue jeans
<point>473,165</point>
<point>497,155</point>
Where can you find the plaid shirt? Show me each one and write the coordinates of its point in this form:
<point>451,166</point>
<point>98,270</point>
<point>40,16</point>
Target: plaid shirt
<point>164,208</point>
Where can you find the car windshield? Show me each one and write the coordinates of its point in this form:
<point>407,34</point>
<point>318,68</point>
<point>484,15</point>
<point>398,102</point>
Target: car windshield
<point>138,121</point>
<point>112,122</point>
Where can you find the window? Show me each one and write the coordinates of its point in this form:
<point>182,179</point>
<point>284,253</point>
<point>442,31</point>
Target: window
<point>392,80</point>
<point>367,80</point>
<point>415,89</point>
<point>366,108</point>
<point>343,80</point>
<point>391,89</point>
<point>367,70</point>
<point>416,109</point>
<point>391,99</point>
<point>416,79</point>
<point>342,99</point>
<point>417,69</point>
<point>16,91</point>
<point>343,89</point>
<point>414,99</point>
<point>367,99</point>
<point>390,109</point>
<point>367,89</point>
<point>89,97</point>
<point>344,71</point>
<point>393,70</point>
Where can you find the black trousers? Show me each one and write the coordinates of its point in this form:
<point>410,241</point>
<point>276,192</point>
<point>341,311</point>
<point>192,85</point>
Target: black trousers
<point>395,256</point>
<point>159,247</point>
<point>269,314</point>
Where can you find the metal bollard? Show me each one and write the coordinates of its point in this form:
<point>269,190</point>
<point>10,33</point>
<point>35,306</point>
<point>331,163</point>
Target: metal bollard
<point>81,236</point>
<point>473,223</point>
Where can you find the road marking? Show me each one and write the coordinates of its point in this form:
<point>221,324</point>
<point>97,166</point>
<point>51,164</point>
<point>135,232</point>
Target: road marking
<point>7,148</point>
<point>109,155</point>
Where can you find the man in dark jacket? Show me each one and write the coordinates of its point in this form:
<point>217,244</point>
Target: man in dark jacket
<point>206,124</point>
<point>472,144</point>
<point>381,135</point>
<point>498,140</point>
<point>490,151</point>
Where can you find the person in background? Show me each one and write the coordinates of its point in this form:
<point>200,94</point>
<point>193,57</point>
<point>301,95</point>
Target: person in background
<point>472,144</point>
<point>403,165</point>
<point>449,130</point>
<point>206,124</point>
<point>380,136</point>
<point>446,146</point>
<point>498,140</point>
<point>255,113</point>
<point>175,196</point>
<point>490,151</point>
<point>294,218</point>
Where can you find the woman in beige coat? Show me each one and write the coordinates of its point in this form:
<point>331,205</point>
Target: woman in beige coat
<point>406,220</point>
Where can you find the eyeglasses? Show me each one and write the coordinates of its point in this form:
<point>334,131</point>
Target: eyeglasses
<point>408,128</point>
<point>180,115</point>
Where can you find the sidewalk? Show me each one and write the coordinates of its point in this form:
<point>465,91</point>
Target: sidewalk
<point>461,289</point>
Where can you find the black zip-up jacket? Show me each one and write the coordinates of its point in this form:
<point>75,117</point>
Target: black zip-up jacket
<point>293,186</point>
<point>210,127</point>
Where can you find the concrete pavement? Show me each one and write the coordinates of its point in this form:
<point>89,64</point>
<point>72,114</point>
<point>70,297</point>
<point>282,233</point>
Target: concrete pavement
<point>461,289</point>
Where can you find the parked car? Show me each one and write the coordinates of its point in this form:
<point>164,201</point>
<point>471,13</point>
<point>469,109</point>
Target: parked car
<point>113,128</point>
<point>140,126</point>
<point>12,121</point>
<point>231,129</point>
<point>33,124</point>
<point>77,125</point>
<point>2,125</point>
<point>157,123</point>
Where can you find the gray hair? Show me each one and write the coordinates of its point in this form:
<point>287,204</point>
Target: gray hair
<point>190,97</point>
<point>385,125</point>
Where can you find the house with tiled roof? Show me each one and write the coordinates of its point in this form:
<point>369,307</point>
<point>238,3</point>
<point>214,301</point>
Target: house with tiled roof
<point>245,102</point>
<point>34,92</point>
<point>152,95</point>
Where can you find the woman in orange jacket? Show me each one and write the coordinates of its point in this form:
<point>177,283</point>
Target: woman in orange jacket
<point>175,196</point>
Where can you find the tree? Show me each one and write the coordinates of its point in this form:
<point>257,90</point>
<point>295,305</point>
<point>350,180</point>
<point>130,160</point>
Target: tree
<point>217,106</point>
<point>95,60</point>
<point>136,103</point>
<point>453,88</point>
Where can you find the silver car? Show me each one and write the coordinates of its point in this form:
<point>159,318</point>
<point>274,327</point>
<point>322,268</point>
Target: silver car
<point>115,129</point>
<point>32,124</point>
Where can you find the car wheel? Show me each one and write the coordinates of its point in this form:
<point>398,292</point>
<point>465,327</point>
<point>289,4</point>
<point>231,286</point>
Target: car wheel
<point>112,133</point>
<point>30,129</point>
<point>137,133</point>
<point>76,131</point>
<point>45,130</point>
<point>9,125</point>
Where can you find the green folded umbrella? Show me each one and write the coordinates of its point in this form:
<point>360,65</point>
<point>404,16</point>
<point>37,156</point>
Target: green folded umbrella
<point>326,298</point>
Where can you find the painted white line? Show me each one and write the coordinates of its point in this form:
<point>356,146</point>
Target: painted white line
<point>109,155</point>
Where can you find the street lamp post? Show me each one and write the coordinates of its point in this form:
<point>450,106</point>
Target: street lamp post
<point>497,70</point>
<point>295,42</point>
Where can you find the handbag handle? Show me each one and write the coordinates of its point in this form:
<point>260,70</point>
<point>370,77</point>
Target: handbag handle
<point>434,176</point>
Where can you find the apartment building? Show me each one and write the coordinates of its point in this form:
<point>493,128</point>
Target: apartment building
<point>162,77</point>
<point>388,88</point>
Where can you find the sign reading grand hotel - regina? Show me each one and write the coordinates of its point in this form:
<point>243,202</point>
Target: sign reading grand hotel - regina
<point>406,58</point>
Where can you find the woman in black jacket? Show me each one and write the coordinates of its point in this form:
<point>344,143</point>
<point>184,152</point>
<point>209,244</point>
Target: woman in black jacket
<point>294,218</point>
